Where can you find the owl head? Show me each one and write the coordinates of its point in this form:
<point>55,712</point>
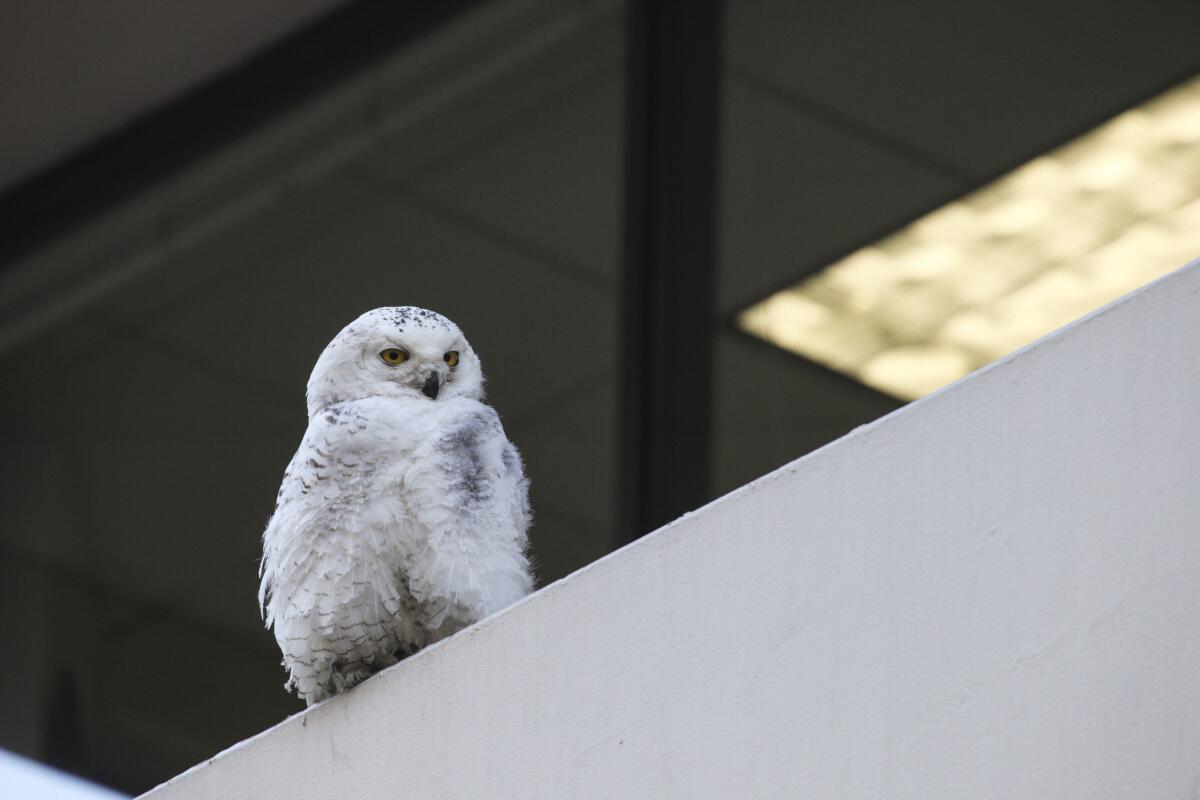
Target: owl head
<point>397,351</point>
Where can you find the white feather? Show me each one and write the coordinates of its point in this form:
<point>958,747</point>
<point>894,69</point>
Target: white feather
<point>401,519</point>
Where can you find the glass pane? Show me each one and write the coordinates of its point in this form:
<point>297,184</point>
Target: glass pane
<point>163,351</point>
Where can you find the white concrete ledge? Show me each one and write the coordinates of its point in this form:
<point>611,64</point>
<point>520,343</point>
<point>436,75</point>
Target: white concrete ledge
<point>989,593</point>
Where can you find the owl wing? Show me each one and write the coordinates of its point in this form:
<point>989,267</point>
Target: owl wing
<point>469,493</point>
<point>331,535</point>
<point>280,545</point>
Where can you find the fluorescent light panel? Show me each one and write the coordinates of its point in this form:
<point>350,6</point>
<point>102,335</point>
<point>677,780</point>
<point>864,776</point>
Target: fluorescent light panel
<point>977,278</point>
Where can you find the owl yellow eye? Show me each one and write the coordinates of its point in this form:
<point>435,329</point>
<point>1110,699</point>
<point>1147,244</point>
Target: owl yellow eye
<point>451,358</point>
<point>394,355</point>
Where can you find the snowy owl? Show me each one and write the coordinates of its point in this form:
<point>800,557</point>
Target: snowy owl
<point>403,516</point>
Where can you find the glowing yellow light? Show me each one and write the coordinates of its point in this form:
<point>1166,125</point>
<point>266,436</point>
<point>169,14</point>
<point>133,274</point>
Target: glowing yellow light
<point>974,280</point>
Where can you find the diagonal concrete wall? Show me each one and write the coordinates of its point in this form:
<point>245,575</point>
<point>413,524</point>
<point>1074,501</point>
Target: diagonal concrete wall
<point>989,593</point>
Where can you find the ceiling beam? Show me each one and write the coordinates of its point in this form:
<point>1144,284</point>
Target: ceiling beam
<point>164,141</point>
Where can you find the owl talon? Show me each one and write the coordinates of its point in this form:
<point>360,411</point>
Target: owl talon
<point>344,679</point>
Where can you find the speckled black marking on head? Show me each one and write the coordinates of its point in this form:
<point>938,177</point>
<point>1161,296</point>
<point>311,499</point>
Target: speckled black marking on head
<point>403,317</point>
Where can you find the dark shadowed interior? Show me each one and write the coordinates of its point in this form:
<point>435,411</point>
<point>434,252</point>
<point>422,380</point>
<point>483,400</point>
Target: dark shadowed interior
<point>155,340</point>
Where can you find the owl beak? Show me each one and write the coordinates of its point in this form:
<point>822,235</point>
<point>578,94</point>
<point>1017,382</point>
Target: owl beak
<point>430,389</point>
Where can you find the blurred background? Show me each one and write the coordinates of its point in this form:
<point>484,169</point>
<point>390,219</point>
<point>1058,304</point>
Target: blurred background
<point>690,241</point>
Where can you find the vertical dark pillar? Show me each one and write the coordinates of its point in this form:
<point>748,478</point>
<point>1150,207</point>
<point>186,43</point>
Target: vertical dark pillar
<point>670,239</point>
